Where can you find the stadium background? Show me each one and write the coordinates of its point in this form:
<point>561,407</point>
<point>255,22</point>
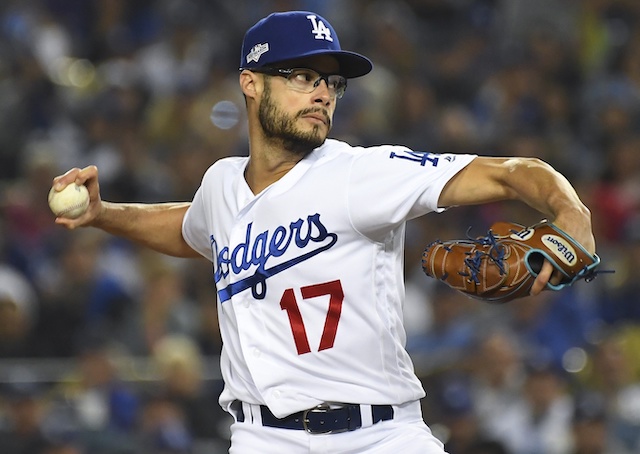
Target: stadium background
<point>107,348</point>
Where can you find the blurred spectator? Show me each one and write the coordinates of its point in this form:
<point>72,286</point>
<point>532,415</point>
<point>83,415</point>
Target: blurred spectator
<point>164,307</point>
<point>548,326</point>
<point>496,381</point>
<point>415,113</point>
<point>95,405</point>
<point>63,447</point>
<point>445,343</point>
<point>25,211</point>
<point>455,406</point>
<point>163,428</point>
<point>21,431</point>
<point>509,102</point>
<point>551,51</point>
<point>18,313</point>
<point>180,364</point>
<point>487,447</point>
<point>539,422</point>
<point>591,432</point>
<point>458,130</point>
<point>182,55</point>
<point>197,286</point>
<point>77,296</point>
<point>616,199</point>
<point>618,301</point>
<point>613,373</point>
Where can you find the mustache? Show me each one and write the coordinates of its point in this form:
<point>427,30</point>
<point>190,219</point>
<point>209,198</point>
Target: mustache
<point>321,111</point>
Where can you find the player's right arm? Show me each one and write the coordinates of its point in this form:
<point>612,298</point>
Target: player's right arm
<point>156,226</point>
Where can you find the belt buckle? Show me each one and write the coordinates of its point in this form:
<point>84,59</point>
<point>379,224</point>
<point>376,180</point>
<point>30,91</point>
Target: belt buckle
<point>322,408</point>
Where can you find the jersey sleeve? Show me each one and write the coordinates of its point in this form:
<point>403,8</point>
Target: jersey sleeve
<point>389,185</point>
<point>194,226</point>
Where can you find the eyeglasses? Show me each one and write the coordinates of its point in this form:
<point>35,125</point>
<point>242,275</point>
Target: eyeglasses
<point>306,80</point>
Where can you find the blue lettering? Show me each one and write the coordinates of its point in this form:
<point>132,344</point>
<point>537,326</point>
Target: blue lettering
<point>295,231</point>
<point>259,249</point>
<point>254,252</point>
<point>322,230</point>
<point>223,261</point>
<point>279,235</point>
<point>417,156</point>
<point>243,265</point>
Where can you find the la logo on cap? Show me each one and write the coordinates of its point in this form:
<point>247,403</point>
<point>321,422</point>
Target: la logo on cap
<point>319,29</point>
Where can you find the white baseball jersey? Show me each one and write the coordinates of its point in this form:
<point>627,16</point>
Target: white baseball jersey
<point>309,273</point>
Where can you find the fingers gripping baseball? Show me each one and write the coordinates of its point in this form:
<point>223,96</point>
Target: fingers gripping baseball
<point>68,213</point>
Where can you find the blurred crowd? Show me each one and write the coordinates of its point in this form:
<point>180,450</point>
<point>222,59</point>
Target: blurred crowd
<point>147,90</point>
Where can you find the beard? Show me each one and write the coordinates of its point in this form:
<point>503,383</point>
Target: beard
<point>281,127</point>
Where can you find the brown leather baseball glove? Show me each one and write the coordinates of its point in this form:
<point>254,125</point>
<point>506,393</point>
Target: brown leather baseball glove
<point>503,265</point>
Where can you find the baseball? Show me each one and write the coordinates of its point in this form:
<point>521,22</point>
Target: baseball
<point>71,202</point>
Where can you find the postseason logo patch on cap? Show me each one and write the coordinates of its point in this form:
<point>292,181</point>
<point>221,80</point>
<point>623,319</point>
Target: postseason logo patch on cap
<point>257,51</point>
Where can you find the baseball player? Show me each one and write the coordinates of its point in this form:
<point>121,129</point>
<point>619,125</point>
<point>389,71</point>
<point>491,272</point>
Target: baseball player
<point>306,239</point>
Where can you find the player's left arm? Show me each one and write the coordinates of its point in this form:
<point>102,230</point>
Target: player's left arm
<point>531,181</point>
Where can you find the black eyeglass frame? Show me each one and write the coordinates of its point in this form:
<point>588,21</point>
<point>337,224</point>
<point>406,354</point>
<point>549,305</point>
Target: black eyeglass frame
<point>287,72</point>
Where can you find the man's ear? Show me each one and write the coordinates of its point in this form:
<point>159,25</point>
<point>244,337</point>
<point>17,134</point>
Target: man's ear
<point>250,83</point>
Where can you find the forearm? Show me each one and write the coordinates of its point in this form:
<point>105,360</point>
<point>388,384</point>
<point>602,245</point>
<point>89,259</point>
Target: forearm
<point>155,226</point>
<point>543,188</point>
<point>528,180</point>
<point>537,184</point>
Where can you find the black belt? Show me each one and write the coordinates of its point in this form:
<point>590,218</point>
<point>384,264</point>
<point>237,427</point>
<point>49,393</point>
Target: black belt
<point>321,419</point>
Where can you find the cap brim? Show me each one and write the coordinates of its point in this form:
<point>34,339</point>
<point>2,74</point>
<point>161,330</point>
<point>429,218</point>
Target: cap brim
<point>351,64</point>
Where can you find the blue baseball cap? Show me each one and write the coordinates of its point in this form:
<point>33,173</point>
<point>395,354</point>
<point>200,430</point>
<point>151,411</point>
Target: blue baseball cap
<point>296,34</point>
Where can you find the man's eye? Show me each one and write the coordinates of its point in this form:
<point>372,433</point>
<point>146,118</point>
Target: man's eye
<point>303,76</point>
